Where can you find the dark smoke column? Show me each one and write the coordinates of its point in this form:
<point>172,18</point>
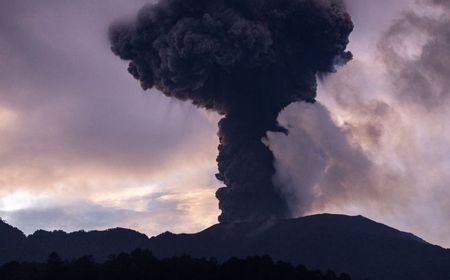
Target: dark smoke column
<point>245,59</point>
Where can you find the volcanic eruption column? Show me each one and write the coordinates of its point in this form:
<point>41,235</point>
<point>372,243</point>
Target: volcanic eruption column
<point>246,60</point>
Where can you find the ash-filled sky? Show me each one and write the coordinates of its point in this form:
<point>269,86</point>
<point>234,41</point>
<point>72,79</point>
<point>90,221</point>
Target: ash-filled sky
<point>83,147</point>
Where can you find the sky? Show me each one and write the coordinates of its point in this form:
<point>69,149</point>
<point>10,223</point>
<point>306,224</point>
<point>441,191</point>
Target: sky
<point>83,147</point>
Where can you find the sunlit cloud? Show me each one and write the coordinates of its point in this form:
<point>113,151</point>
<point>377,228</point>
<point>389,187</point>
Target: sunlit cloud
<point>19,200</point>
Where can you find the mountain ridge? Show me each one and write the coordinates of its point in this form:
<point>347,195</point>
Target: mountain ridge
<point>346,244</point>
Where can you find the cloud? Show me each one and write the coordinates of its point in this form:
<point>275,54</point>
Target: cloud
<point>85,141</point>
<point>415,51</point>
<point>316,162</point>
<point>382,150</point>
<point>62,115</point>
<point>74,125</point>
<point>149,213</point>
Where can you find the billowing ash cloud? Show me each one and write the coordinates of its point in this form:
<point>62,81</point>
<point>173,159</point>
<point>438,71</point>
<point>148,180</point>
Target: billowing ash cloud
<point>245,59</point>
<point>317,162</point>
<point>416,52</point>
<point>377,142</point>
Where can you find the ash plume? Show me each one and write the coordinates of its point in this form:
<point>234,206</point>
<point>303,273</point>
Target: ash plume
<point>246,60</point>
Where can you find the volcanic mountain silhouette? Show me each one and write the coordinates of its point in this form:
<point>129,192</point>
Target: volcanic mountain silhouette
<point>352,244</point>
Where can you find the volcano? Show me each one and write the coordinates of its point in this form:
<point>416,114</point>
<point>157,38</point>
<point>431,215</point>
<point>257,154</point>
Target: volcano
<point>355,245</point>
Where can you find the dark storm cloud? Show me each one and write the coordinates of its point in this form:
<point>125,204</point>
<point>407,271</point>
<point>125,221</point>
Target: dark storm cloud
<point>246,60</point>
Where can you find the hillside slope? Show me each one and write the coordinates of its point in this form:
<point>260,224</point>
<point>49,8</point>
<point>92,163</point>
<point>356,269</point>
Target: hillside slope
<point>355,245</point>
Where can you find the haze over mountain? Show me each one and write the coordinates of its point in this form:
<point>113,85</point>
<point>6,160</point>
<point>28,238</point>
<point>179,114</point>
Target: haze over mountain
<point>352,244</point>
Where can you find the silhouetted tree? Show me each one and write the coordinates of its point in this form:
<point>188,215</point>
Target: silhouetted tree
<point>55,267</point>
<point>142,265</point>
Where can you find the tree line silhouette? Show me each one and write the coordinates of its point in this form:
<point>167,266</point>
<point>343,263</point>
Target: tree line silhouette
<point>141,264</point>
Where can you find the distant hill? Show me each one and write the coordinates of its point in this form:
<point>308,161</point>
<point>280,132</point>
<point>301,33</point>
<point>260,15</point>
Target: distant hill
<point>14,245</point>
<point>354,245</point>
<point>12,241</point>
